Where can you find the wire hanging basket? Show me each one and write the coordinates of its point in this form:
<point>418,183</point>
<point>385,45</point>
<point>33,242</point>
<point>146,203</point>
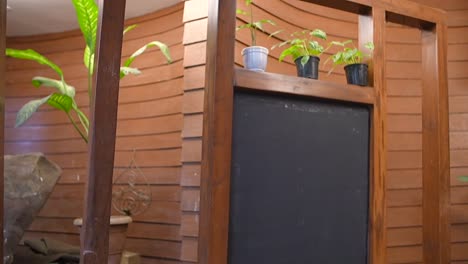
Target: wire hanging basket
<point>131,194</point>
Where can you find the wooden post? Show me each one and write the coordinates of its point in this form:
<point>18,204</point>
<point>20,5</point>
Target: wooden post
<point>372,29</point>
<point>217,133</point>
<point>436,176</point>
<point>95,237</point>
<point>3,7</point>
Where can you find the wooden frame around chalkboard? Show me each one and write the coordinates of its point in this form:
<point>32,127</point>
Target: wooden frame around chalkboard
<point>221,78</point>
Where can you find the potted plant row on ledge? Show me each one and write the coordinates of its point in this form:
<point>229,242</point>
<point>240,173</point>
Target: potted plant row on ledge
<point>305,48</point>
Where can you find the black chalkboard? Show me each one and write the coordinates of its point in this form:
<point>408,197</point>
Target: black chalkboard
<point>299,181</point>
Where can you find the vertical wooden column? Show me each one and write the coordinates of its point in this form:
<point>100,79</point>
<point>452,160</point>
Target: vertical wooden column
<point>217,132</point>
<point>372,28</point>
<point>95,240</point>
<point>436,176</point>
<point>3,7</point>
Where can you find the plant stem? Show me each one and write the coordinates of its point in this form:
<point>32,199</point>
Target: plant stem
<point>85,138</point>
<point>252,28</point>
<point>83,118</point>
<point>90,78</point>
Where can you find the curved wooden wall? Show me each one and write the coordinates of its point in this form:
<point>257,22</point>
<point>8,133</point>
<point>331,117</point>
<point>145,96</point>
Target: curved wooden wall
<point>149,120</point>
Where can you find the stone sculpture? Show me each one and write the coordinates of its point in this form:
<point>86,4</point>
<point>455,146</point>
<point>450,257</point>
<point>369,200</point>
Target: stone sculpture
<point>29,179</point>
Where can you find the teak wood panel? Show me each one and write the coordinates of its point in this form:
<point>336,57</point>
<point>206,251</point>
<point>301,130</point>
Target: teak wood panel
<point>436,181</point>
<point>396,78</point>
<point>155,136</point>
<point>217,127</point>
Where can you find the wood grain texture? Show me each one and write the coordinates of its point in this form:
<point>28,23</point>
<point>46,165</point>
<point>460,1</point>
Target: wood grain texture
<point>277,83</point>
<point>103,124</point>
<point>372,29</point>
<point>217,132</point>
<point>436,181</point>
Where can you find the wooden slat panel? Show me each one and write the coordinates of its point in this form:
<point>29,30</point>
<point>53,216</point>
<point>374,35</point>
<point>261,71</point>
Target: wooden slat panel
<point>409,236</point>
<point>190,175</point>
<point>154,248</point>
<point>189,226</point>
<point>154,231</point>
<point>402,255</point>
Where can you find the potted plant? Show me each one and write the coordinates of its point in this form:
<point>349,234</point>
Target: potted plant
<point>255,57</point>
<point>63,96</point>
<point>305,51</point>
<point>356,70</point>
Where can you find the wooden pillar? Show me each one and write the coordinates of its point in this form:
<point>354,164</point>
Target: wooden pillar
<point>3,7</point>
<point>95,239</point>
<point>195,37</point>
<point>372,29</point>
<point>436,176</point>
<point>216,153</point>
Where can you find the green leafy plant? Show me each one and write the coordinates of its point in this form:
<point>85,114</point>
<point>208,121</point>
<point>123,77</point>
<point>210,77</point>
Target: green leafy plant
<point>63,98</point>
<point>303,44</point>
<point>252,25</point>
<point>349,53</point>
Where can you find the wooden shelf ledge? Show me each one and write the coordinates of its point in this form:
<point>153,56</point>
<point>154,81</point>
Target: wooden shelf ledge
<point>279,83</point>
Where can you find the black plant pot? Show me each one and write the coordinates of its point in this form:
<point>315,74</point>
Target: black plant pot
<point>357,74</point>
<point>310,69</point>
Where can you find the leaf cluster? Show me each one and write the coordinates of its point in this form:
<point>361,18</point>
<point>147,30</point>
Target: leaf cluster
<point>303,44</point>
<point>252,25</point>
<point>64,96</point>
<point>350,55</point>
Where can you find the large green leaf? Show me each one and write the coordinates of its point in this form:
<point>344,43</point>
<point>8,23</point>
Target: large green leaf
<point>60,101</point>
<point>124,71</point>
<point>87,14</point>
<point>293,51</point>
<point>88,59</point>
<point>29,109</point>
<point>30,54</point>
<point>61,86</point>
<point>163,47</point>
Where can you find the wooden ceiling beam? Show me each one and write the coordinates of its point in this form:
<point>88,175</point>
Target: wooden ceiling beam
<point>402,8</point>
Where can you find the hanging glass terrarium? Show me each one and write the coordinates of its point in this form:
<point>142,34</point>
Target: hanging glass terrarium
<point>131,194</point>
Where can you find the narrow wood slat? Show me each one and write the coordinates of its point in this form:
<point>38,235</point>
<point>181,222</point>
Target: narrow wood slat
<point>217,134</point>
<point>372,29</point>
<point>436,179</point>
<point>277,83</point>
<point>95,242</point>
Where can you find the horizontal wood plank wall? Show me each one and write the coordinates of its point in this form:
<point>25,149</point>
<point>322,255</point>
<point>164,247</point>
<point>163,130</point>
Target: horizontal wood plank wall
<point>458,102</point>
<point>149,120</point>
<point>195,36</point>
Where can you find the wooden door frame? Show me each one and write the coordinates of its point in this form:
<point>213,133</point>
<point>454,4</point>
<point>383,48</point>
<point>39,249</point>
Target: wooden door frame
<point>373,15</point>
